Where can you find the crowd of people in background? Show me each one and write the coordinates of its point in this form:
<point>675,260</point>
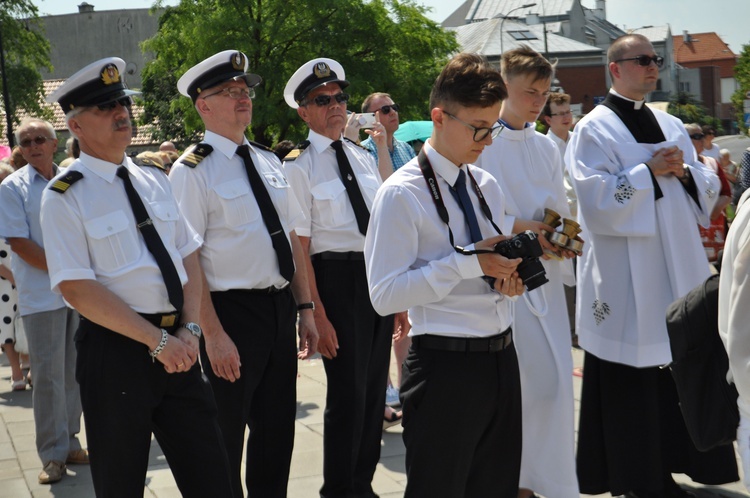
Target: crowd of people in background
<point>363,249</point>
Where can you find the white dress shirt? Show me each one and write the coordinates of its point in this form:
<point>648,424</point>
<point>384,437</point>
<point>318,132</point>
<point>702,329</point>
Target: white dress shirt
<point>217,200</point>
<point>91,232</point>
<point>411,263</point>
<point>329,217</point>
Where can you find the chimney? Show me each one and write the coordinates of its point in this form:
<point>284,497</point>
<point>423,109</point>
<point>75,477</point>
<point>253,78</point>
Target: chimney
<point>532,19</point>
<point>601,10</point>
<point>85,7</point>
<point>685,36</point>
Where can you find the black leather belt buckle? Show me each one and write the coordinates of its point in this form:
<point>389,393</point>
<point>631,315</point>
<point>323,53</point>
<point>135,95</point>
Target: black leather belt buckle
<point>162,320</point>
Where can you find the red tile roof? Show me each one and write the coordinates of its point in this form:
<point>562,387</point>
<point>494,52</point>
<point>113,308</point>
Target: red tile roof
<point>143,138</point>
<point>702,47</point>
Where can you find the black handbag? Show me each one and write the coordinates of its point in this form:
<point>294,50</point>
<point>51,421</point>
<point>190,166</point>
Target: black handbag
<point>700,365</point>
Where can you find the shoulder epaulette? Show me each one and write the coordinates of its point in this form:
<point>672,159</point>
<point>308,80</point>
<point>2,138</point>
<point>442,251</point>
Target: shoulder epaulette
<point>260,146</point>
<point>297,150</point>
<point>355,143</point>
<point>146,161</point>
<point>195,154</point>
<point>65,181</point>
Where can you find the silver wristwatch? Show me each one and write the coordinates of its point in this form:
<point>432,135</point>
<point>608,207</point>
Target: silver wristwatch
<point>193,328</point>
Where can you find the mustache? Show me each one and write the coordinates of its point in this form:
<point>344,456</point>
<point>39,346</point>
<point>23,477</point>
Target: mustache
<point>120,123</point>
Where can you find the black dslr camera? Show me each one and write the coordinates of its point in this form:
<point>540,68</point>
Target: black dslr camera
<point>526,246</point>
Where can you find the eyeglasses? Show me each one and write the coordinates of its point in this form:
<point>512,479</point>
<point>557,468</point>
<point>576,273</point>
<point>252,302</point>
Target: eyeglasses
<point>645,60</point>
<point>235,93</point>
<point>386,109</point>
<point>324,100</point>
<point>123,101</point>
<point>39,140</point>
<point>564,113</point>
<point>697,136</point>
<point>479,133</point>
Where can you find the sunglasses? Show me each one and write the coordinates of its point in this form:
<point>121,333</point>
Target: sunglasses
<point>123,101</point>
<point>39,140</point>
<point>645,60</point>
<point>324,100</point>
<point>479,132</point>
<point>386,109</point>
<point>235,93</point>
<point>697,136</point>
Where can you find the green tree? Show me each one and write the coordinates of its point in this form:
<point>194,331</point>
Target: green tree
<point>690,110</point>
<point>26,51</point>
<point>384,45</point>
<point>742,75</point>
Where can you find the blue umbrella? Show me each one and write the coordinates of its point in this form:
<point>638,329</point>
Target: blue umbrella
<point>414,130</point>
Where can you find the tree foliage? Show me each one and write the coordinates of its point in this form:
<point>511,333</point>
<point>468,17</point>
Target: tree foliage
<point>742,75</point>
<point>690,110</point>
<point>26,51</point>
<point>384,45</point>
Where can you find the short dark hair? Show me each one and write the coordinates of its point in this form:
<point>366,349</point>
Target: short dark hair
<point>708,130</point>
<point>556,98</point>
<point>468,80</point>
<point>526,60</point>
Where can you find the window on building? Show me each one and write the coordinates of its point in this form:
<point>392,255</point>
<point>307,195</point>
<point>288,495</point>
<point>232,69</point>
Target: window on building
<point>523,35</point>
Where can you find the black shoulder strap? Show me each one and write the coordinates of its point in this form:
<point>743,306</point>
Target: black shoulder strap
<point>195,154</point>
<point>260,146</point>
<point>295,152</point>
<point>61,184</point>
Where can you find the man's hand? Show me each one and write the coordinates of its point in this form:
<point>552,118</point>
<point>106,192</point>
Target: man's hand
<point>537,227</point>
<point>378,133</point>
<point>401,326</point>
<point>175,356</point>
<point>493,264</point>
<point>193,344</point>
<point>667,161</point>
<point>223,355</point>
<point>511,286</point>
<point>351,131</point>
<point>328,343</point>
<point>308,335</point>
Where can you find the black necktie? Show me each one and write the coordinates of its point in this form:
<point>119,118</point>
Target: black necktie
<point>154,244</point>
<point>352,188</point>
<point>270,216</point>
<point>460,193</point>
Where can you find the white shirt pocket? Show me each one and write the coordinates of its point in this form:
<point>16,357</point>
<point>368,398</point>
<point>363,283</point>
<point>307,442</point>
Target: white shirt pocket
<point>237,204</point>
<point>331,201</point>
<point>369,186</point>
<point>166,215</point>
<point>113,242</point>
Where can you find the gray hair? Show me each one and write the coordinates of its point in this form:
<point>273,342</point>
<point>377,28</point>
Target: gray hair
<point>28,121</point>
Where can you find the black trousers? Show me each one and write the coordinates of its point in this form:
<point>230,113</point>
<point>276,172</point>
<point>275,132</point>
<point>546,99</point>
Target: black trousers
<point>356,378</point>
<point>263,399</point>
<point>462,424</point>
<point>631,434</point>
<point>126,397</point>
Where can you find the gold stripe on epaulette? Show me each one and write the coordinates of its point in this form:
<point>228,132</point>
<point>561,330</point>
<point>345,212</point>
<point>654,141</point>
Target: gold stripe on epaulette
<point>293,154</point>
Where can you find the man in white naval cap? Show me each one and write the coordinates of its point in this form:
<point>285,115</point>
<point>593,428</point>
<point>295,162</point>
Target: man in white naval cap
<point>335,182</point>
<point>121,254</point>
<point>234,194</point>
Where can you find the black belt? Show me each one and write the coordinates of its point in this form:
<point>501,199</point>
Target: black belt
<point>338,256</point>
<point>464,345</point>
<point>162,320</point>
<point>265,290</point>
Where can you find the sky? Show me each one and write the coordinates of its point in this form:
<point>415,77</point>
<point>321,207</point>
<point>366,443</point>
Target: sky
<point>729,18</point>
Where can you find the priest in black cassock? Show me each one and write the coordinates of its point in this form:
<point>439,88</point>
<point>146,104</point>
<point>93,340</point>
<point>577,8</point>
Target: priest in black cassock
<point>641,195</point>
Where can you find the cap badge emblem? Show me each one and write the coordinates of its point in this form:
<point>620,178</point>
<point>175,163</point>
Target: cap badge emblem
<point>238,61</point>
<point>321,70</point>
<point>110,74</point>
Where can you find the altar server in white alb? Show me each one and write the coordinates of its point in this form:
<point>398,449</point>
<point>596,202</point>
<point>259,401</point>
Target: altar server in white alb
<point>528,167</point>
<point>641,195</point>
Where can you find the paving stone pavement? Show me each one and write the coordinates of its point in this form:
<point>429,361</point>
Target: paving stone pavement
<point>19,464</point>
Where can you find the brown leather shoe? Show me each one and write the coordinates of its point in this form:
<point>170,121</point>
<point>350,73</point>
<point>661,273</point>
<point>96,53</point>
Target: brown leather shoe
<point>78,457</point>
<point>52,472</point>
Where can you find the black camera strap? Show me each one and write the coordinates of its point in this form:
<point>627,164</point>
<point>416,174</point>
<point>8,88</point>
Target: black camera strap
<point>434,188</point>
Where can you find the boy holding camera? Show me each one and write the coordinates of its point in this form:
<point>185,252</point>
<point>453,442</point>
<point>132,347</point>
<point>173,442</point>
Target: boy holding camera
<point>436,210</point>
<point>529,169</point>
